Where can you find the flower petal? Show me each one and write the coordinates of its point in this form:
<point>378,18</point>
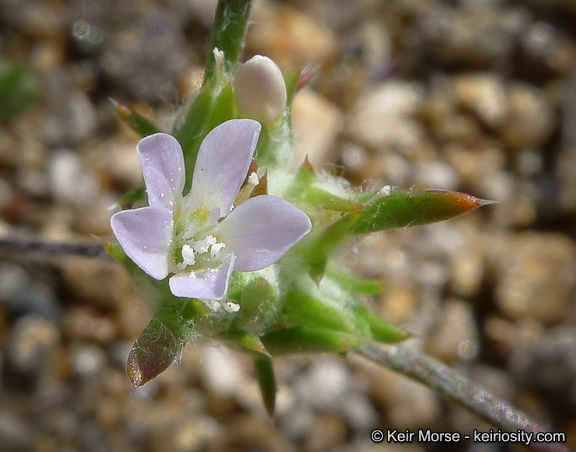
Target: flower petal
<point>223,161</point>
<point>260,230</point>
<point>207,285</point>
<point>145,235</point>
<point>162,164</point>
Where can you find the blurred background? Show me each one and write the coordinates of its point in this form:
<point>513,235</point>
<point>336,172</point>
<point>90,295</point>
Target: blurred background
<point>470,95</point>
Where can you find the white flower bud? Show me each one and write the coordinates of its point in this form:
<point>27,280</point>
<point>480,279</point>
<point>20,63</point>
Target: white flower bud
<point>260,90</point>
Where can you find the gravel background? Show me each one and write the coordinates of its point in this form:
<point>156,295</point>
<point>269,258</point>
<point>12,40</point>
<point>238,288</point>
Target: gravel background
<point>472,95</point>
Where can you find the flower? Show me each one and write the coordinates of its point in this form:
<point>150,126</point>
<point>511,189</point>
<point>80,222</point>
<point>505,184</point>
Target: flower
<point>260,90</point>
<point>201,237</point>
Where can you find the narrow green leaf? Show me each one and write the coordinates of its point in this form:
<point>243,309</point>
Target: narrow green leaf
<point>302,339</point>
<point>303,189</point>
<point>353,283</point>
<point>211,107</point>
<point>251,344</point>
<point>330,240</point>
<point>291,80</point>
<point>380,330</point>
<point>305,176</point>
<point>223,107</point>
<point>133,196</point>
<point>191,128</point>
<point>303,181</point>
<point>329,201</point>
<point>141,125</point>
<point>247,342</point>
<point>114,250</point>
<point>401,209</point>
<point>266,381</point>
<point>265,149</point>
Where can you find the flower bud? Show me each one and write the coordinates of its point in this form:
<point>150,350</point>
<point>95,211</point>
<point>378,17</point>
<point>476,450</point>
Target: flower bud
<point>260,90</point>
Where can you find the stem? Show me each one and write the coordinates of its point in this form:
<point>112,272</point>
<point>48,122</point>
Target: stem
<point>17,246</point>
<point>439,377</point>
<point>228,30</point>
<point>213,104</point>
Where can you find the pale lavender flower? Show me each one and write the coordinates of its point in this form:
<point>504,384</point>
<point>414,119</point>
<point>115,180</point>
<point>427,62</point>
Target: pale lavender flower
<point>201,237</point>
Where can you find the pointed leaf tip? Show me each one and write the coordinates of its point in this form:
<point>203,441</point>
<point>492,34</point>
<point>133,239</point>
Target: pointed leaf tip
<point>466,202</point>
<point>306,77</point>
<point>115,251</point>
<point>148,359</point>
<point>141,125</point>
<point>306,165</point>
<point>248,342</point>
<point>134,371</point>
<point>405,208</point>
<point>267,383</point>
<point>160,344</point>
<point>122,110</point>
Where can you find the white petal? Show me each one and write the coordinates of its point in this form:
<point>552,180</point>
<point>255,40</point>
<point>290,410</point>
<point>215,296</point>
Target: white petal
<point>145,235</point>
<point>163,169</point>
<point>260,90</point>
<point>207,285</point>
<point>260,230</point>
<point>223,161</point>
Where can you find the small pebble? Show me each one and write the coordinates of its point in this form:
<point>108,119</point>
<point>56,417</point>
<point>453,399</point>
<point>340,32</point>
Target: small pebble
<point>317,123</point>
<point>536,276</point>
<point>33,345</point>
<point>456,337</point>
<point>382,115</point>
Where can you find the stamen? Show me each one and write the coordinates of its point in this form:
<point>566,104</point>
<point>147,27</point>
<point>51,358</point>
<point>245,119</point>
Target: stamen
<point>188,255</point>
<point>215,249</point>
<point>202,246</point>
